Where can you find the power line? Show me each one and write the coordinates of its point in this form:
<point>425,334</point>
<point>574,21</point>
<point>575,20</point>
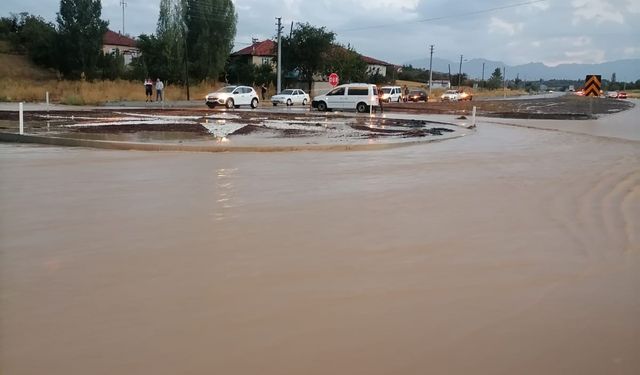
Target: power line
<point>488,10</point>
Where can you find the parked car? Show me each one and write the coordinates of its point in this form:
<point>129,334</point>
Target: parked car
<point>612,94</point>
<point>391,94</point>
<point>291,97</point>
<point>622,95</point>
<point>455,95</point>
<point>233,97</point>
<point>417,96</point>
<point>358,96</point>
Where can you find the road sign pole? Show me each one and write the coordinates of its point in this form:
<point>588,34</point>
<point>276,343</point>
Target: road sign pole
<point>279,75</point>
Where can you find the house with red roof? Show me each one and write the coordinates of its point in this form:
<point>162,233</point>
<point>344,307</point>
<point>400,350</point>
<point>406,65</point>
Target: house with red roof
<point>265,52</point>
<point>258,53</point>
<point>377,66</point>
<point>127,47</point>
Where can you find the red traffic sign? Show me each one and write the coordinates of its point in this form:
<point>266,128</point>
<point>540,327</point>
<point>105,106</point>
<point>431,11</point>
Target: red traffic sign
<point>333,79</point>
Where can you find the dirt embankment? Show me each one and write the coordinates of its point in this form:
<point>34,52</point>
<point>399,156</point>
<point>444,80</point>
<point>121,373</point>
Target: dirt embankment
<point>568,107</point>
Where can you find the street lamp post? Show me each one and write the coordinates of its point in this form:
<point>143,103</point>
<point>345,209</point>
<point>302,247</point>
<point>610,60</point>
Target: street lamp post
<point>430,69</point>
<point>460,73</point>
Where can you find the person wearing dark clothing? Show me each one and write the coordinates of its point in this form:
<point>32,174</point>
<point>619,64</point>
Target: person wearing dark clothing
<point>380,93</point>
<point>148,89</point>
<point>263,90</point>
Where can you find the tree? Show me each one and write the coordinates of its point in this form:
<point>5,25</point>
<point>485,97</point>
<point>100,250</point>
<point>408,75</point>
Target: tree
<point>169,43</point>
<point>111,65</point>
<point>80,36</point>
<point>241,72</point>
<point>153,61</point>
<point>495,81</point>
<point>34,36</point>
<point>306,50</point>
<point>210,30</point>
<point>264,74</point>
<point>347,63</point>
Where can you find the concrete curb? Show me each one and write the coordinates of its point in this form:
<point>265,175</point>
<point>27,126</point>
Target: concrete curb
<point>113,145</point>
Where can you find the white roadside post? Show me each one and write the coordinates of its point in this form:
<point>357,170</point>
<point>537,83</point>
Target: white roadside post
<point>473,123</point>
<point>20,109</point>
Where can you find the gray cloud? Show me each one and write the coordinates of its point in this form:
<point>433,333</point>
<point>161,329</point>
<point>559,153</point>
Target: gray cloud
<point>553,31</point>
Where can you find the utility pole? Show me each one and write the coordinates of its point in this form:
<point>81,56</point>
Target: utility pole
<point>123,4</point>
<point>186,58</point>
<point>504,80</point>
<point>186,67</point>
<point>430,68</point>
<point>279,85</point>
<point>460,73</point>
<point>449,65</point>
<point>482,74</point>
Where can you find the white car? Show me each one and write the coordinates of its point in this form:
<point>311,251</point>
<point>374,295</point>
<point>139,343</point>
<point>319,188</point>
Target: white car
<point>359,96</point>
<point>233,97</point>
<point>291,97</point>
<point>391,94</point>
<point>455,95</point>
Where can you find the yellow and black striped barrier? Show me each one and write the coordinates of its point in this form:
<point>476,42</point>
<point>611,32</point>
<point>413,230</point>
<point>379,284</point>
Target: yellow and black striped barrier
<point>592,85</point>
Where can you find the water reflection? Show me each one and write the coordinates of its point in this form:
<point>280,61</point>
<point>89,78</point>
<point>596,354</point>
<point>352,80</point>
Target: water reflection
<point>225,193</point>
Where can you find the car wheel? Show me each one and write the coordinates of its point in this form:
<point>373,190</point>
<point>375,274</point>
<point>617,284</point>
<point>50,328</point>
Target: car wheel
<point>361,107</point>
<point>289,103</point>
<point>322,106</point>
<point>254,103</point>
<point>275,104</point>
<point>399,99</point>
<point>211,105</point>
<point>229,103</point>
<point>304,101</point>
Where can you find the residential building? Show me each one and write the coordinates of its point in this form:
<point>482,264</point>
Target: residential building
<point>258,53</point>
<point>127,47</point>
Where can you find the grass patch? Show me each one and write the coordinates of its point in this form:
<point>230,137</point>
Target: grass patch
<point>94,93</point>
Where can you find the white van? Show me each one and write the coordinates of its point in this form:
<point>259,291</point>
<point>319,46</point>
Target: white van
<point>358,96</point>
<point>391,94</point>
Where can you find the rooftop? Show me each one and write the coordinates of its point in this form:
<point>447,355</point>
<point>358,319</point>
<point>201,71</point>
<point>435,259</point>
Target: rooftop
<point>116,39</point>
<point>264,48</point>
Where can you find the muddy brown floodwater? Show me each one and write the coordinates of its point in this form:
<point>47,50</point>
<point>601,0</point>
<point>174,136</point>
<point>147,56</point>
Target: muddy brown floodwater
<point>509,251</point>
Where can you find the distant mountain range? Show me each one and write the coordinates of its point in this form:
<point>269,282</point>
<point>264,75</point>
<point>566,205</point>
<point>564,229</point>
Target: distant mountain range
<point>626,70</point>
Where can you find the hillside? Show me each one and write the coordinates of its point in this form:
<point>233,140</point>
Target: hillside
<point>14,66</point>
<point>626,70</point>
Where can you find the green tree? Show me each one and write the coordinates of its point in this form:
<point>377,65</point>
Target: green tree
<point>169,43</point>
<point>264,74</point>
<point>347,63</point>
<point>495,81</point>
<point>153,61</point>
<point>306,51</point>
<point>241,72</point>
<point>80,36</point>
<point>111,66</point>
<point>35,37</point>
<point>210,30</point>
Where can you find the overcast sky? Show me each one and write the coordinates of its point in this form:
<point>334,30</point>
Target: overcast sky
<point>399,31</point>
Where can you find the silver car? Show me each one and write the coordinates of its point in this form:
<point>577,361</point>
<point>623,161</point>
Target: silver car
<point>233,97</point>
<point>291,97</point>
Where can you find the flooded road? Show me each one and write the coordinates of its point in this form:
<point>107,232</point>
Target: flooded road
<point>511,251</point>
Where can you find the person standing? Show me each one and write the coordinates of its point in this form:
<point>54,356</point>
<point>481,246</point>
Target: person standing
<point>263,90</point>
<point>148,89</point>
<point>159,90</point>
<point>380,93</point>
